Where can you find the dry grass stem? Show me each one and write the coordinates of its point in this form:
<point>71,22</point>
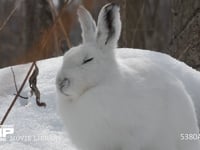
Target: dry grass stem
<point>9,17</point>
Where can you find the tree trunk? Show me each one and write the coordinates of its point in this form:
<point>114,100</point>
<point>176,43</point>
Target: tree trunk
<point>185,43</point>
<point>38,17</point>
<point>145,24</point>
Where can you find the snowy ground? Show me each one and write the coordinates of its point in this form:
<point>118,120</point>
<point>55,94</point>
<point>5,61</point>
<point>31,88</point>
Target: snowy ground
<point>35,128</point>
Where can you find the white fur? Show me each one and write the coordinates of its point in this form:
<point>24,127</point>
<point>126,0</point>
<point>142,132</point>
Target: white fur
<point>117,102</point>
<point>87,24</point>
<point>189,77</point>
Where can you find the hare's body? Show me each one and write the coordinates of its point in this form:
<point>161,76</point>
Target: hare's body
<point>189,77</point>
<point>140,111</point>
<point>110,101</point>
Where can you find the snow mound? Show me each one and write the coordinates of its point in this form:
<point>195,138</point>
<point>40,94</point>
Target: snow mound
<point>35,128</point>
<point>39,128</point>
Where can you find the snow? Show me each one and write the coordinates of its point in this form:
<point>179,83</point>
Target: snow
<point>39,128</point>
<point>35,128</point>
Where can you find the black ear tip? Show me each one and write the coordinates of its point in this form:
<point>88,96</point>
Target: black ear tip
<point>115,4</point>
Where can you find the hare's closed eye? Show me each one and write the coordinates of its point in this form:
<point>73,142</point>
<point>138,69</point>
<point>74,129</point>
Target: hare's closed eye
<point>86,60</point>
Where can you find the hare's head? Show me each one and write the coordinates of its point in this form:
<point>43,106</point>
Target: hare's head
<point>90,63</point>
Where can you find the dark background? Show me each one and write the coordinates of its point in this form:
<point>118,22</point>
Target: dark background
<point>168,26</point>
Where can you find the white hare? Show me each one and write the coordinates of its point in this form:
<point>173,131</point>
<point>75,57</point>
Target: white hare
<point>110,101</point>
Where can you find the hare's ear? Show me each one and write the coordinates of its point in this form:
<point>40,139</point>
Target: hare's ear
<point>109,26</point>
<point>88,25</point>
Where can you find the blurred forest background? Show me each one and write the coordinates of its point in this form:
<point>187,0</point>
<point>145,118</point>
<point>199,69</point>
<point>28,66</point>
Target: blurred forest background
<point>36,29</point>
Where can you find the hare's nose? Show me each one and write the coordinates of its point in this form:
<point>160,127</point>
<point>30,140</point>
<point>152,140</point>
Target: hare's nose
<point>64,83</point>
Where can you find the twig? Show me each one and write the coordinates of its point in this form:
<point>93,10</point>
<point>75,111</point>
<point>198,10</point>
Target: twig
<point>184,51</point>
<point>17,95</point>
<point>54,25</point>
<point>55,12</point>
<point>14,78</point>
<point>21,96</point>
<point>9,17</point>
<point>189,46</point>
<point>34,88</point>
